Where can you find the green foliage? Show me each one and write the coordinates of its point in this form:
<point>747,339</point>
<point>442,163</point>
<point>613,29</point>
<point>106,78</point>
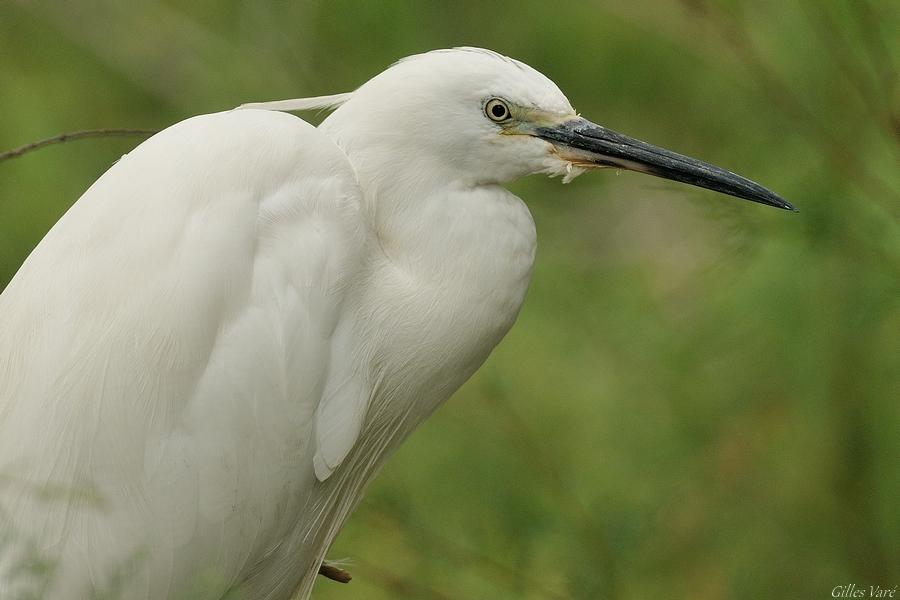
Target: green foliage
<point>700,397</point>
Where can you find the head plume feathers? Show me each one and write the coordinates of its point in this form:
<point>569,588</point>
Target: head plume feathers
<point>313,103</point>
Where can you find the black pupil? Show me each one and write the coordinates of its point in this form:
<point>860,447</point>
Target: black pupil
<point>498,110</point>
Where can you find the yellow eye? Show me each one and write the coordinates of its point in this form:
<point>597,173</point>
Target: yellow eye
<point>496,110</point>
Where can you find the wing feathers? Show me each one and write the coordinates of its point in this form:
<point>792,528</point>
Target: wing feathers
<point>168,343</point>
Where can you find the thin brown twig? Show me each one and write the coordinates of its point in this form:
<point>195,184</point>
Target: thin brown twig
<point>334,573</point>
<point>72,136</point>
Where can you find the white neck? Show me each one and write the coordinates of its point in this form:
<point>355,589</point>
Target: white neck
<point>458,255</point>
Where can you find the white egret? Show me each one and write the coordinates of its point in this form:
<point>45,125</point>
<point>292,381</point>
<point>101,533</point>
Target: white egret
<point>212,353</point>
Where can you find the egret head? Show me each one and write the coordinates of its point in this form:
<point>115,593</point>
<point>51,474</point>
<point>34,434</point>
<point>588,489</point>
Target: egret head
<point>478,117</point>
<point>467,113</point>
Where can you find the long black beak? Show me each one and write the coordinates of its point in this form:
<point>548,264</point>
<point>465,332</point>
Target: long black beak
<point>590,144</point>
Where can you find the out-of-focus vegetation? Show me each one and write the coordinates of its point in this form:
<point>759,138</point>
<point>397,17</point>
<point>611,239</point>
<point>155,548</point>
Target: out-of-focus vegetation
<point>700,399</point>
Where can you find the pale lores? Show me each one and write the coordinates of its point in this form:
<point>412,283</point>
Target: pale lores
<point>218,346</point>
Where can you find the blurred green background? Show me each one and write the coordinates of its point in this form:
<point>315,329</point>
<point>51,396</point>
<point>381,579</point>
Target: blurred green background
<point>700,398</point>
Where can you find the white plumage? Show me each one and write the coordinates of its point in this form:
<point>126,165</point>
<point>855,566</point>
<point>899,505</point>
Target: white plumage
<point>210,355</point>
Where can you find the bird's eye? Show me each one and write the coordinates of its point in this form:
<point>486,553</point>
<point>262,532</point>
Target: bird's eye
<point>496,110</point>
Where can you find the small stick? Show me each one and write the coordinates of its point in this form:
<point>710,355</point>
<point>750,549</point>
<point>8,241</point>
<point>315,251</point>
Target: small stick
<point>334,573</point>
<point>71,136</point>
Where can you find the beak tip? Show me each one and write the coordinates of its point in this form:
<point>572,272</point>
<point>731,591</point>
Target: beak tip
<point>785,205</point>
